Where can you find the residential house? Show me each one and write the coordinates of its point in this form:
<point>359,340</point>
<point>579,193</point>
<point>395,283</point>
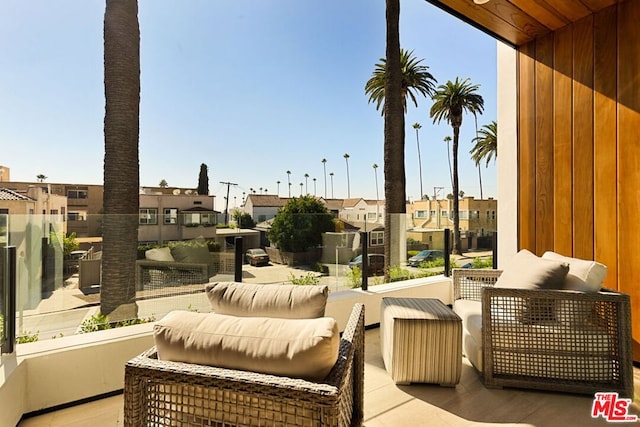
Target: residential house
<point>263,207</point>
<point>175,217</point>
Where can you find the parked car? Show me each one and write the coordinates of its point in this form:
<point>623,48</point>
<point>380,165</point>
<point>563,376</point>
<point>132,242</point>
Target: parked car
<point>426,255</point>
<point>257,257</point>
<point>375,265</point>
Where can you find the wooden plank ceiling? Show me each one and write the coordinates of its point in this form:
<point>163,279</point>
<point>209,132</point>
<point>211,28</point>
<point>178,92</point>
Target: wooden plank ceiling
<point>520,21</point>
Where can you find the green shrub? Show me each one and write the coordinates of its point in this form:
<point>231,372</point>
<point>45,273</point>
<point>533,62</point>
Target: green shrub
<point>354,276</point>
<point>28,336</point>
<point>308,279</point>
<point>100,322</point>
<point>483,262</point>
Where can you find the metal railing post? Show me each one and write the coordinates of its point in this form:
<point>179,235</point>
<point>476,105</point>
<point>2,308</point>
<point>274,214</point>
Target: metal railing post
<point>8,344</point>
<point>447,252</point>
<point>364,237</point>
<point>238,260</point>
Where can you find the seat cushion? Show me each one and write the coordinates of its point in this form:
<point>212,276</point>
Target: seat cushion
<point>255,300</point>
<point>583,275</point>
<point>298,348</point>
<point>527,271</point>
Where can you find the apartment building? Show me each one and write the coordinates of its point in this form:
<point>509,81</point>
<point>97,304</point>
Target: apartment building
<point>181,215</point>
<point>478,220</point>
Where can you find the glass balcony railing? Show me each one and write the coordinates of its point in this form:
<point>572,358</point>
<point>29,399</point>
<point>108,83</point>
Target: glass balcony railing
<point>64,284</point>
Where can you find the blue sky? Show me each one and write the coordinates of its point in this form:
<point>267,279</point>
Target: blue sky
<point>250,88</point>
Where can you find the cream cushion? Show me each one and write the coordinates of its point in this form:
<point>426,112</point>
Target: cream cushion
<point>584,275</point>
<point>255,300</point>
<point>298,348</point>
<point>527,271</point>
<point>159,254</point>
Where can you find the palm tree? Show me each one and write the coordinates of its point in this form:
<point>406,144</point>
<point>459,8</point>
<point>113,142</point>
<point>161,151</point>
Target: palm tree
<point>375,171</point>
<point>121,164</point>
<point>306,183</point>
<point>301,184</point>
<point>41,178</point>
<point>331,176</point>
<point>346,159</point>
<point>417,127</point>
<point>486,144</point>
<point>447,139</point>
<point>324,166</point>
<point>289,181</point>
<point>397,77</point>
<point>451,100</point>
<point>416,80</point>
<point>278,188</point>
<point>314,186</point>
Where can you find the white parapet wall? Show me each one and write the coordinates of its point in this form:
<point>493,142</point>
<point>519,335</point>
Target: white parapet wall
<point>50,373</point>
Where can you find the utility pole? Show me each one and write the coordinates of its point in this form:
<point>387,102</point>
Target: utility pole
<point>436,190</point>
<point>226,210</point>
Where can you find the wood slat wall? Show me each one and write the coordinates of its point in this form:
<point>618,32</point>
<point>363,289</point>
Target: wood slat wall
<point>579,144</point>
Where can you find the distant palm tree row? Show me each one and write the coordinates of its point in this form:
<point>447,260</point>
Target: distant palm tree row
<point>398,76</point>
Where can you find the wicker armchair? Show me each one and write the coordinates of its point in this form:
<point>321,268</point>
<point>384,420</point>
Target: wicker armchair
<point>552,350</point>
<point>162,393</point>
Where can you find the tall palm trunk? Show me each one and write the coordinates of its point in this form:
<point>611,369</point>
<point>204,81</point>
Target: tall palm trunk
<point>457,242</point>
<point>121,165</point>
<point>394,173</point>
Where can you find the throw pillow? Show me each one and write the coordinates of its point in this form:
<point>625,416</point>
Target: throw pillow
<point>527,271</point>
<point>584,275</point>
<point>255,300</point>
<point>297,348</point>
<point>159,254</point>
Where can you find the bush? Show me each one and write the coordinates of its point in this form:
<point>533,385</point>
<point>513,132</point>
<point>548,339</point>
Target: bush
<point>100,322</point>
<point>354,276</point>
<point>300,223</point>
<point>308,279</point>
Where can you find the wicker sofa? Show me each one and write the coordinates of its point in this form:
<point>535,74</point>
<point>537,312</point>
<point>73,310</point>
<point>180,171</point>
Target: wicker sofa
<point>175,266</point>
<point>551,352</point>
<point>162,393</point>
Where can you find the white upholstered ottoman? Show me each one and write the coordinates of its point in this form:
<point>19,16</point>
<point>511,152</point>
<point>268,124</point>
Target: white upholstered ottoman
<point>421,341</point>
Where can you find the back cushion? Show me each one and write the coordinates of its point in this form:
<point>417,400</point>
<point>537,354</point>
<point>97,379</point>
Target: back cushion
<point>298,348</point>
<point>254,300</point>
<point>584,275</point>
<point>194,254</point>
<point>159,254</point>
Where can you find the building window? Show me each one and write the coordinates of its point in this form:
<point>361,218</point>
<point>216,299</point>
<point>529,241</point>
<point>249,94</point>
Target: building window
<point>191,219</point>
<point>420,214</point>
<point>4,211</point>
<point>148,217</point>
<point>64,213</point>
<point>371,216</point>
<point>170,216</point>
<point>262,218</point>
<point>493,214</point>
<point>77,216</point>
<point>465,214</point>
<point>444,213</point>
<point>376,238</point>
<point>77,194</point>
<point>432,212</point>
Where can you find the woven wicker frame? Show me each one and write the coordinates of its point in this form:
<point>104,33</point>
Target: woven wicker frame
<point>152,275</point>
<point>541,352</point>
<point>162,393</point>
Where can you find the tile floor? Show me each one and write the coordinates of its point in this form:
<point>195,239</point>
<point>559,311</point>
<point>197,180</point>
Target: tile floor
<point>390,405</point>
